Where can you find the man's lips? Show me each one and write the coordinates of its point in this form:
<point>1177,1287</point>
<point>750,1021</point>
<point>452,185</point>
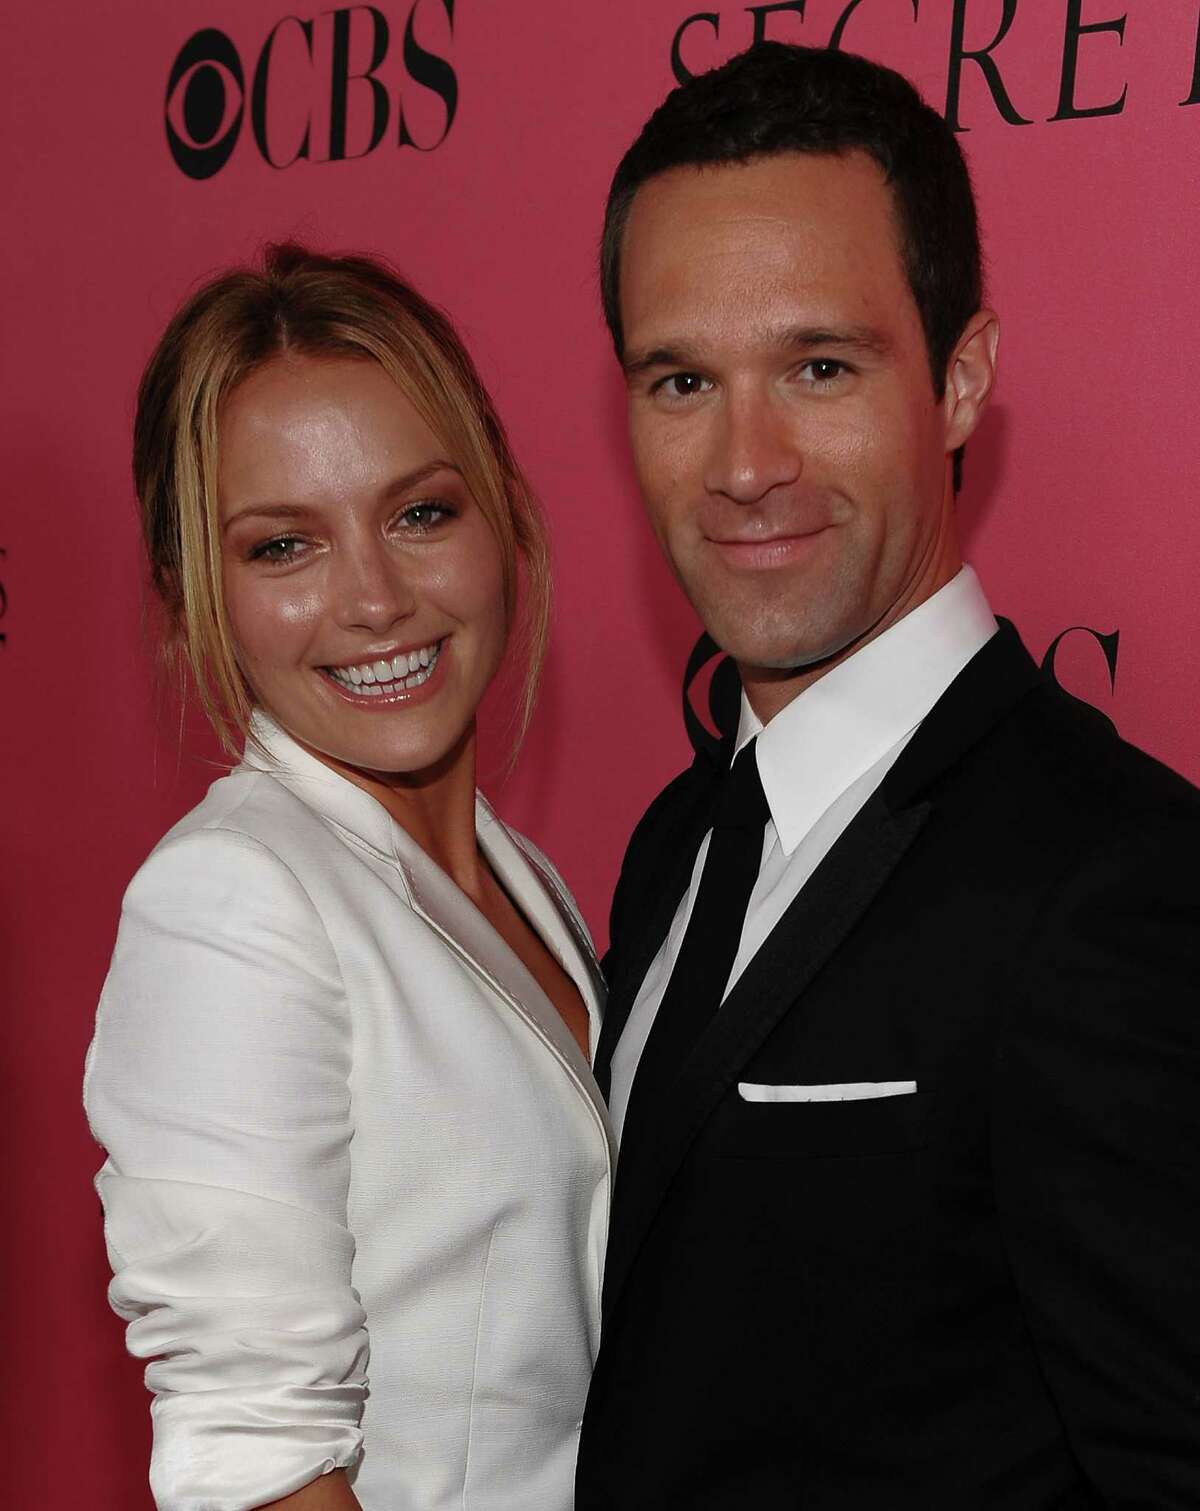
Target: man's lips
<point>762,552</point>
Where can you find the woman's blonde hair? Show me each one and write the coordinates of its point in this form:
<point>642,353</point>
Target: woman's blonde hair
<point>305,303</point>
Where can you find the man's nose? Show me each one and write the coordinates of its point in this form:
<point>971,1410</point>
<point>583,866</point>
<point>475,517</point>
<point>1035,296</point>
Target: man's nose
<point>753,449</point>
<point>373,587</point>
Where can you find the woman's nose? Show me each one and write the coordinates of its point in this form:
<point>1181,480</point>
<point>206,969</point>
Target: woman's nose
<point>373,589</point>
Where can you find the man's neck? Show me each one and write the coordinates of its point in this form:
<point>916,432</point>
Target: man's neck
<point>769,689</point>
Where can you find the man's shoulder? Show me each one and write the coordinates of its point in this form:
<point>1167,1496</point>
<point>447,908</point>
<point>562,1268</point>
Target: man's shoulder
<point>1065,766</point>
<point>675,811</point>
<point>1079,745</point>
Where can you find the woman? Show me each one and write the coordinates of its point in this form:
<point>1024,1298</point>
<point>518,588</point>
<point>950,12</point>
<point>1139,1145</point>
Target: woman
<point>357,1182</point>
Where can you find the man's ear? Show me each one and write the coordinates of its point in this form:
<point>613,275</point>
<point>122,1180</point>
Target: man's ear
<point>970,375</point>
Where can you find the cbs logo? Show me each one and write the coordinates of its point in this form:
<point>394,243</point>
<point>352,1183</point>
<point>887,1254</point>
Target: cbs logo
<point>206,93</point>
<point>317,90</point>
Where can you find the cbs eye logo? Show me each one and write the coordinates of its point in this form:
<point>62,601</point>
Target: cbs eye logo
<point>206,95</point>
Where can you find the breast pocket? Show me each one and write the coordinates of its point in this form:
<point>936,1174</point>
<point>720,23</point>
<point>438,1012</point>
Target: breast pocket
<point>839,1120</point>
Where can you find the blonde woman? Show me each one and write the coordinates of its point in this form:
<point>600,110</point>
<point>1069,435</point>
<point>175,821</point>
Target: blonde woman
<point>358,1171</point>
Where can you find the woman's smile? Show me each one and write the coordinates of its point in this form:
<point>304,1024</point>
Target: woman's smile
<point>390,679</point>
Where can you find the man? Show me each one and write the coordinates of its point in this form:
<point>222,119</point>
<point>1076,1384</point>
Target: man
<point>903,1029</point>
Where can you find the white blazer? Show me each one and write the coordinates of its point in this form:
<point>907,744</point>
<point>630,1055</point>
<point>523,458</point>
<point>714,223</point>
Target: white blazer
<point>358,1172</point>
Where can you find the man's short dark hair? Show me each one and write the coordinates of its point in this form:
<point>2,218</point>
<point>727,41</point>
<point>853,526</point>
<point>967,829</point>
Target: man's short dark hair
<point>781,98</point>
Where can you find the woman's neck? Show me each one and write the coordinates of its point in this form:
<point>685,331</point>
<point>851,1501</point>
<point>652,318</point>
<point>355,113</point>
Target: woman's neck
<point>435,807</point>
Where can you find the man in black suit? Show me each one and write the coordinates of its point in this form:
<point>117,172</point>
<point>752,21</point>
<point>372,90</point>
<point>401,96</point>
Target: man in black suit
<point>904,1028</point>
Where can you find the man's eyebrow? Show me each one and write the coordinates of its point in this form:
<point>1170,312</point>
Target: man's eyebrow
<point>677,355</point>
<point>398,485</point>
<point>862,338</point>
<point>683,354</point>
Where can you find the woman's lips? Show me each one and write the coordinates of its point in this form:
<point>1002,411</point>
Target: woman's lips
<point>380,697</point>
<point>762,554</point>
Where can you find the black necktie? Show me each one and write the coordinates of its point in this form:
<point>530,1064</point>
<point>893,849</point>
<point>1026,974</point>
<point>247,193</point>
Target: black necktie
<point>714,931</point>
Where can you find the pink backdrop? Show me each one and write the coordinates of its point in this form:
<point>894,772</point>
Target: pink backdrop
<point>1080,504</point>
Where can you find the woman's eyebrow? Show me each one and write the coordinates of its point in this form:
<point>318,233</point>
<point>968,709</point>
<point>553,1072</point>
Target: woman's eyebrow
<point>265,511</point>
<point>418,475</point>
<point>286,511</point>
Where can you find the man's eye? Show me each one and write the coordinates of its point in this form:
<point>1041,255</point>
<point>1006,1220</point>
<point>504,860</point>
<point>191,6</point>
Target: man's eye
<point>282,548</point>
<point>824,369</point>
<point>683,385</point>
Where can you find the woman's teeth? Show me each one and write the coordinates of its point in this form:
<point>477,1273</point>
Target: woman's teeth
<point>374,678</point>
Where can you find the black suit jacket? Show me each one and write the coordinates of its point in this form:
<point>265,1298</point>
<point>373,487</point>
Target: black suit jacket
<point>986,1294</point>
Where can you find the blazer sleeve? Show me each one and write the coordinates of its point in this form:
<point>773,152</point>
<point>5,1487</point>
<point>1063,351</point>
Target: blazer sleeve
<point>1096,1147</point>
<point>218,1083</point>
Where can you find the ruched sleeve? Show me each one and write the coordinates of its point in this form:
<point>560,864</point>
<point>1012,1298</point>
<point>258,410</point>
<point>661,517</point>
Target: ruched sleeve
<point>218,1084</point>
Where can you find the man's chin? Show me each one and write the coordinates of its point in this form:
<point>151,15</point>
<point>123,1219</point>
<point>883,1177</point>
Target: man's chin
<point>777,640</point>
<point>773,661</point>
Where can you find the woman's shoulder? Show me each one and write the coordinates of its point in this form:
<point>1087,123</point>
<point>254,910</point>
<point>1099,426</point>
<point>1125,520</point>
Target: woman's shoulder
<point>248,831</point>
<point>222,916</point>
<point>222,959</point>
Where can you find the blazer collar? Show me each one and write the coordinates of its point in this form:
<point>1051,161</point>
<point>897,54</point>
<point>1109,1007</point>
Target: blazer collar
<point>445,907</point>
<point>272,749</point>
<point>992,683</point>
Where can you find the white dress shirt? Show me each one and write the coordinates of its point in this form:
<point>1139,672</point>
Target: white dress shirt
<point>820,758</point>
<point>356,1194</point>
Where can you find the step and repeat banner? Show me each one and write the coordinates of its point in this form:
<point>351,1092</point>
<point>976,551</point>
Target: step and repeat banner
<point>471,141</point>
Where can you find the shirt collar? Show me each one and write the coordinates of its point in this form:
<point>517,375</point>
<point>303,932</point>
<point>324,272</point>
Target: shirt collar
<point>816,747</point>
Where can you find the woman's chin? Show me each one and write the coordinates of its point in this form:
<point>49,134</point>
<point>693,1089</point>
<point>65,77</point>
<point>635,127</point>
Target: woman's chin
<point>399,754</point>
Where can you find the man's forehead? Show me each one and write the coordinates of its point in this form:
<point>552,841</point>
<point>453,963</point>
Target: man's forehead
<point>771,186</point>
<point>766,212</point>
<point>777,243</point>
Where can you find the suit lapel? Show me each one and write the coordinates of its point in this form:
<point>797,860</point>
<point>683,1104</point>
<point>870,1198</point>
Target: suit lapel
<point>988,687</point>
<point>467,932</point>
<point>663,881</point>
<point>816,923</point>
<point>545,903</point>
<point>673,856</point>
<point>820,918</point>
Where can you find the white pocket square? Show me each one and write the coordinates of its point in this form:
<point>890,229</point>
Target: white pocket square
<point>846,1091</point>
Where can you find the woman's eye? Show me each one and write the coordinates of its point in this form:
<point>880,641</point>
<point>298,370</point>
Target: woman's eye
<point>281,549</point>
<point>683,385</point>
<point>425,515</point>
